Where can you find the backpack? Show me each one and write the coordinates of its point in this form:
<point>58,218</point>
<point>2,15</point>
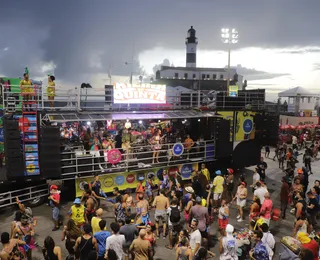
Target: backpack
<point>175,215</point>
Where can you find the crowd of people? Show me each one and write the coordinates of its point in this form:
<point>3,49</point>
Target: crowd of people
<point>185,216</point>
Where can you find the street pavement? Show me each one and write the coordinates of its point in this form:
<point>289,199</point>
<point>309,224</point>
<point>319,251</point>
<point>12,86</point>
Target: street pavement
<point>279,229</point>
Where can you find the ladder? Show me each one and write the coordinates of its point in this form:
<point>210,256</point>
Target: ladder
<point>28,123</point>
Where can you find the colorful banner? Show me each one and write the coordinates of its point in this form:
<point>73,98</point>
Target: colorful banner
<point>126,180</point>
<point>139,94</point>
<point>233,91</point>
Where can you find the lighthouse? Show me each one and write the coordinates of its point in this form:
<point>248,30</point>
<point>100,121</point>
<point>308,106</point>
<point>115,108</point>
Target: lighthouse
<point>191,48</point>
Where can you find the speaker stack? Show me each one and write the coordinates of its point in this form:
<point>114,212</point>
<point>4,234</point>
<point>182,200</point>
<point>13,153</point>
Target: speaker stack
<point>223,145</point>
<point>49,152</point>
<point>12,148</point>
<point>270,129</point>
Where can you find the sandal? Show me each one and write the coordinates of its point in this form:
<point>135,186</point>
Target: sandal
<point>168,247</point>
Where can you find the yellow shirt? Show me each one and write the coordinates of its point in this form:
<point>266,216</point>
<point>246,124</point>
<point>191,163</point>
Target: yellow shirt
<point>206,173</point>
<point>25,82</point>
<point>218,182</point>
<point>95,225</point>
<point>77,214</point>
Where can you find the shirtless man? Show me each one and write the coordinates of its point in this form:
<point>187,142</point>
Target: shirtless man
<point>90,204</point>
<point>142,205</point>
<point>161,203</point>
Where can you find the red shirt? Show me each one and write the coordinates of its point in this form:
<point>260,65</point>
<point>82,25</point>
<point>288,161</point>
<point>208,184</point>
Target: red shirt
<point>314,247</point>
<point>284,193</point>
<point>56,196</point>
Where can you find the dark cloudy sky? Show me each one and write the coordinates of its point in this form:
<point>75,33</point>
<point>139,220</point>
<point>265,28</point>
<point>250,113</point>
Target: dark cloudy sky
<point>81,39</point>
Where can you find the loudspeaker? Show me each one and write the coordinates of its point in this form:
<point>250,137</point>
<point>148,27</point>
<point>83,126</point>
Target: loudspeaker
<point>108,93</point>
<point>49,152</point>
<point>13,152</point>
<point>85,165</point>
<point>10,124</point>
<point>15,167</point>
<point>223,145</point>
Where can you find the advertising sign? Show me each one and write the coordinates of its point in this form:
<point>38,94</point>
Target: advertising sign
<point>124,180</point>
<point>178,149</point>
<point>139,94</point>
<point>233,91</point>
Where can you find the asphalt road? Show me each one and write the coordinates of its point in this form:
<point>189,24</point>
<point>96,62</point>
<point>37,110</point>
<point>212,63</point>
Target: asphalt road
<point>279,229</point>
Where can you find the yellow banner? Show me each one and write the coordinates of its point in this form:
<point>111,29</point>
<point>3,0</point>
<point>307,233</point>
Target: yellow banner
<point>126,180</point>
<point>245,127</point>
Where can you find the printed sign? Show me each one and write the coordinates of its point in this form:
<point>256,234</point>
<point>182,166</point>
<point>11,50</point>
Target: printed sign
<point>139,94</point>
<point>178,149</point>
<point>233,91</point>
<point>114,156</point>
<point>247,126</point>
<point>126,180</point>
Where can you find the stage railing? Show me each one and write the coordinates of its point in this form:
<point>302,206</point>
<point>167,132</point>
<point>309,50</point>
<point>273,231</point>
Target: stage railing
<point>102,99</point>
<point>139,157</point>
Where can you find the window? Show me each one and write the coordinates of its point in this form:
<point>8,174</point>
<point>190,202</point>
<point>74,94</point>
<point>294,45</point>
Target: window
<point>309,99</point>
<point>302,99</point>
<point>176,75</point>
<point>203,76</point>
<point>194,76</point>
<point>214,76</point>
<point>185,75</point>
<point>208,76</point>
<point>221,76</point>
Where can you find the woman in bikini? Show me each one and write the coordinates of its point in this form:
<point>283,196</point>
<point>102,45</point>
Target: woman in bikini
<point>156,146</point>
<point>150,235</point>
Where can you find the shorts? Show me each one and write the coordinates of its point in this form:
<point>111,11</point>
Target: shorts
<point>148,193</point>
<point>27,90</point>
<point>241,202</point>
<point>161,215</point>
<point>126,250</point>
<point>217,196</point>
<point>175,228</point>
<point>55,213</point>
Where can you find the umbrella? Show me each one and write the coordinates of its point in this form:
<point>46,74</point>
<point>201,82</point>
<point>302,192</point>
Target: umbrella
<point>135,133</point>
<point>299,127</point>
<point>287,127</point>
<point>308,126</point>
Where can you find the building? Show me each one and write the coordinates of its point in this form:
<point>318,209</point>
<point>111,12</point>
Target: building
<point>301,101</point>
<point>196,78</point>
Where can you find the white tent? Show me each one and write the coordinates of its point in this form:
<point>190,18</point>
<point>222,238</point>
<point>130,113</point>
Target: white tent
<point>297,91</point>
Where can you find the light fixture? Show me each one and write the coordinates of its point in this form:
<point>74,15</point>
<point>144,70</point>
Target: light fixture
<point>140,122</point>
<point>199,120</point>
<point>88,123</point>
<point>159,121</point>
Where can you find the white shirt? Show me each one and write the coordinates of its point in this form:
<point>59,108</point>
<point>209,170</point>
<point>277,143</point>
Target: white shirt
<point>195,238</point>
<point>294,140</point>
<point>260,192</point>
<point>269,242</point>
<point>256,178</point>
<point>116,242</point>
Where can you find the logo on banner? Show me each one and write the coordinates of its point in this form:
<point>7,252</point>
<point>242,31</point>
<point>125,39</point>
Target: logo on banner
<point>119,180</point>
<point>247,126</point>
<point>81,185</point>
<point>178,149</point>
<point>114,156</point>
<point>186,171</point>
<point>108,182</point>
<point>130,178</point>
<point>31,168</point>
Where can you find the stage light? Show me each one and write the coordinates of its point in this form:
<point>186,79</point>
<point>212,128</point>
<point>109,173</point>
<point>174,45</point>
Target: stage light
<point>88,123</point>
<point>140,122</point>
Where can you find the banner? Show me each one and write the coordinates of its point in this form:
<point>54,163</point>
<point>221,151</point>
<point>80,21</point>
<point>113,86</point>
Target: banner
<point>295,120</point>
<point>126,180</point>
<point>233,91</point>
<point>139,94</point>
<point>245,126</point>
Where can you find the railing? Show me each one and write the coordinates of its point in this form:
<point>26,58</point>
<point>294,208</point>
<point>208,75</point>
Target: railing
<point>28,194</point>
<point>102,99</point>
<point>79,162</point>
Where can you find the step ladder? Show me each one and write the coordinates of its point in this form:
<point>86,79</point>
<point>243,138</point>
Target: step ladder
<point>28,124</point>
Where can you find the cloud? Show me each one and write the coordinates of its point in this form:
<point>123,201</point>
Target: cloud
<point>252,74</point>
<point>301,50</point>
<point>316,66</point>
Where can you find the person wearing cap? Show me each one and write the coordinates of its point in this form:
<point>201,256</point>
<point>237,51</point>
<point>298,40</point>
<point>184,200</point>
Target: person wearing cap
<point>51,90</point>
<point>200,213</point>
<point>218,182</point>
<point>55,204</point>
<point>228,246</point>
<point>241,199</point>
<point>78,213</point>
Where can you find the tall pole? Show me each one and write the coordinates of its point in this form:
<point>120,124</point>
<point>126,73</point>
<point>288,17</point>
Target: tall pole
<point>229,54</point>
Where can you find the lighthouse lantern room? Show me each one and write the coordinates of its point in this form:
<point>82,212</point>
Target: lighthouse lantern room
<point>191,48</point>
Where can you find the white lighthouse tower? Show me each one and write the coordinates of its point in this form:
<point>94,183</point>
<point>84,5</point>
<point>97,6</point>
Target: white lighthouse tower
<point>191,48</point>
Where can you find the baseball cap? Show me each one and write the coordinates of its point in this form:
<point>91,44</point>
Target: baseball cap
<point>300,170</point>
<point>77,201</point>
<point>218,172</point>
<point>198,199</point>
<point>189,189</point>
<point>230,171</point>
<point>53,187</point>
<point>229,229</point>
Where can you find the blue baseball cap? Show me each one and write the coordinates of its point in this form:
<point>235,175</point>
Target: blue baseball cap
<point>140,178</point>
<point>77,201</point>
<point>218,172</point>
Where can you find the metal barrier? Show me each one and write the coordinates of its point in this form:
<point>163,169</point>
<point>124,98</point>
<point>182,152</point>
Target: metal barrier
<point>81,162</point>
<point>99,99</point>
<point>32,193</point>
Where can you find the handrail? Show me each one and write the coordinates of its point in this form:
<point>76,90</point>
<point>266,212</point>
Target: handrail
<point>93,99</point>
<point>140,157</point>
